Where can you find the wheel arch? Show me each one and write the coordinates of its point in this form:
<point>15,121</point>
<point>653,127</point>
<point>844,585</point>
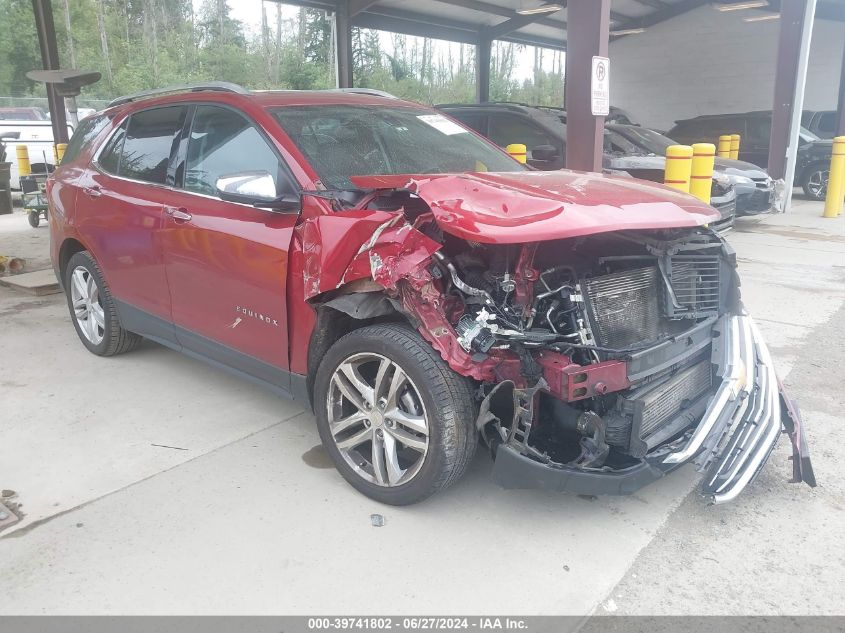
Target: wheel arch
<point>811,167</point>
<point>70,247</point>
<point>353,307</point>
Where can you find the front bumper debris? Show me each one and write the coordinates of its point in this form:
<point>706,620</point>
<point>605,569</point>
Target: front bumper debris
<point>731,442</point>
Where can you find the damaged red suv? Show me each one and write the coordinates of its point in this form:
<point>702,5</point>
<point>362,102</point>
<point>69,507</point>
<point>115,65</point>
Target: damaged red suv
<point>419,289</point>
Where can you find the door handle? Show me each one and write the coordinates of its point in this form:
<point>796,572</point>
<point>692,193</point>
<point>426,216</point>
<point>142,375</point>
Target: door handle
<point>178,214</point>
<point>93,191</point>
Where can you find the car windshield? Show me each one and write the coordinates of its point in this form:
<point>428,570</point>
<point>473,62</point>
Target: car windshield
<point>807,136</point>
<point>648,140</point>
<point>348,140</point>
<point>617,144</point>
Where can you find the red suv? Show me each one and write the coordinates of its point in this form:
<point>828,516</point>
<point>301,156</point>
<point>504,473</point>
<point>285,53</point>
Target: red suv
<point>417,288</point>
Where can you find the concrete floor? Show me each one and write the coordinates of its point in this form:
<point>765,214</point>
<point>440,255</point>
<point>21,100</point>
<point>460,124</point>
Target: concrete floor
<point>152,483</point>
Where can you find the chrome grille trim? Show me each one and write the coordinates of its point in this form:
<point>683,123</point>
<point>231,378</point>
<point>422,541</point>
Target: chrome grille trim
<point>742,423</point>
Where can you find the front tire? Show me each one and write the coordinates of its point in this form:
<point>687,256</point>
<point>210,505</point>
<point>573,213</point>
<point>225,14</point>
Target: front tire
<point>814,182</point>
<point>398,423</point>
<point>92,308</point>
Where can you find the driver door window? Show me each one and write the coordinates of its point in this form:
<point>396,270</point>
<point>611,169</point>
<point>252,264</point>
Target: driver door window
<point>223,143</point>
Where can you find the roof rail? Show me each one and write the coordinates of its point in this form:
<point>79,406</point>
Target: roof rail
<point>365,91</point>
<point>214,86</point>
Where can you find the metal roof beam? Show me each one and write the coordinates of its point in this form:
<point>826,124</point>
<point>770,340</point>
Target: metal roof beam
<point>671,11</point>
<point>505,12</point>
<point>357,6</point>
<point>411,23</point>
<point>381,22</point>
<point>654,4</point>
<point>514,24</point>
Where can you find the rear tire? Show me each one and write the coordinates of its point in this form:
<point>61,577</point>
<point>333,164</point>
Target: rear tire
<point>34,219</point>
<point>398,423</point>
<point>92,308</point>
<point>814,181</point>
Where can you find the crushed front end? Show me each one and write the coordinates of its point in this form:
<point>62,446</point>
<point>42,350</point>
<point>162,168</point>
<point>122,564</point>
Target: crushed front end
<point>606,362</point>
<point>603,361</point>
<point>629,365</point>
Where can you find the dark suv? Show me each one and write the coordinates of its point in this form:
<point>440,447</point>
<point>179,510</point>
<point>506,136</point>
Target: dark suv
<point>418,289</point>
<point>822,123</point>
<point>811,169</point>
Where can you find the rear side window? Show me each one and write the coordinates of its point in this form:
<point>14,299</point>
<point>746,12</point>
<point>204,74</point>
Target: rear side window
<point>827,123</point>
<point>150,140</point>
<point>509,128</point>
<point>88,130</point>
<point>759,130</point>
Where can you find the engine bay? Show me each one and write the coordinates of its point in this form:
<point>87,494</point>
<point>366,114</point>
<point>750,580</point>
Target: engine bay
<point>596,350</point>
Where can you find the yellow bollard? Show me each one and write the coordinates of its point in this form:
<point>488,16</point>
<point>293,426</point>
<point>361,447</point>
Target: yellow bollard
<point>835,180</point>
<point>24,167</point>
<point>725,146</point>
<point>734,146</point>
<point>701,177</point>
<point>678,167</point>
<point>518,151</point>
<point>60,152</point>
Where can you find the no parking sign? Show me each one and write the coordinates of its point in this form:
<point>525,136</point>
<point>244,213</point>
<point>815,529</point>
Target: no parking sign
<point>600,86</point>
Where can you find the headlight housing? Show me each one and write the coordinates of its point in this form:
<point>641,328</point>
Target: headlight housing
<point>740,180</point>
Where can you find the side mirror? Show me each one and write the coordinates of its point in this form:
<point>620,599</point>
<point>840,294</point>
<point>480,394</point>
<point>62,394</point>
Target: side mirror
<point>256,188</point>
<point>545,152</point>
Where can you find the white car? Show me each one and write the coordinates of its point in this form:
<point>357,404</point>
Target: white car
<point>38,138</point>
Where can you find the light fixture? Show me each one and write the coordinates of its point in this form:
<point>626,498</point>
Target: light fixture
<point>762,18</point>
<point>739,6</point>
<point>543,8</point>
<point>628,31</point>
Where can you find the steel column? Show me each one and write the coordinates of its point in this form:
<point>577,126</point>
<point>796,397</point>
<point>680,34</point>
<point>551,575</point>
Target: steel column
<point>483,52</point>
<point>343,48</point>
<point>43,11</point>
<point>587,35</point>
<point>840,126</point>
<point>796,24</point>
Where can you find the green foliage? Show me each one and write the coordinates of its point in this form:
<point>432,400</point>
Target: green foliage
<point>141,44</point>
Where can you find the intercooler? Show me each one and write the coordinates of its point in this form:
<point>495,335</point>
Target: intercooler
<point>650,415</point>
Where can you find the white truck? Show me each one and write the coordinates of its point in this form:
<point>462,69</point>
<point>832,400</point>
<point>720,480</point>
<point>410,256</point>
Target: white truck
<point>38,138</point>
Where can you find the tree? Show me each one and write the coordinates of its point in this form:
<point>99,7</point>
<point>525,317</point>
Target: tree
<point>141,44</point>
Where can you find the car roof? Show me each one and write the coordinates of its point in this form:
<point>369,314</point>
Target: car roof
<point>262,98</point>
<point>270,98</point>
<point>708,117</point>
<point>508,105</point>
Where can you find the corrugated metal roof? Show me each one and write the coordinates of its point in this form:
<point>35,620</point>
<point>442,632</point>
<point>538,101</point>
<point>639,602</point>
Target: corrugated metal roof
<point>467,20</point>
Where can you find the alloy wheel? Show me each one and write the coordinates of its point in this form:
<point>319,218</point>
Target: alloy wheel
<point>85,298</point>
<point>377,419</point>
<point>817,183</point>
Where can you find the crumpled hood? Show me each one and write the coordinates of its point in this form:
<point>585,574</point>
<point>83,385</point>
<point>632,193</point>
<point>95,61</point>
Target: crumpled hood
<point>517,207</point>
